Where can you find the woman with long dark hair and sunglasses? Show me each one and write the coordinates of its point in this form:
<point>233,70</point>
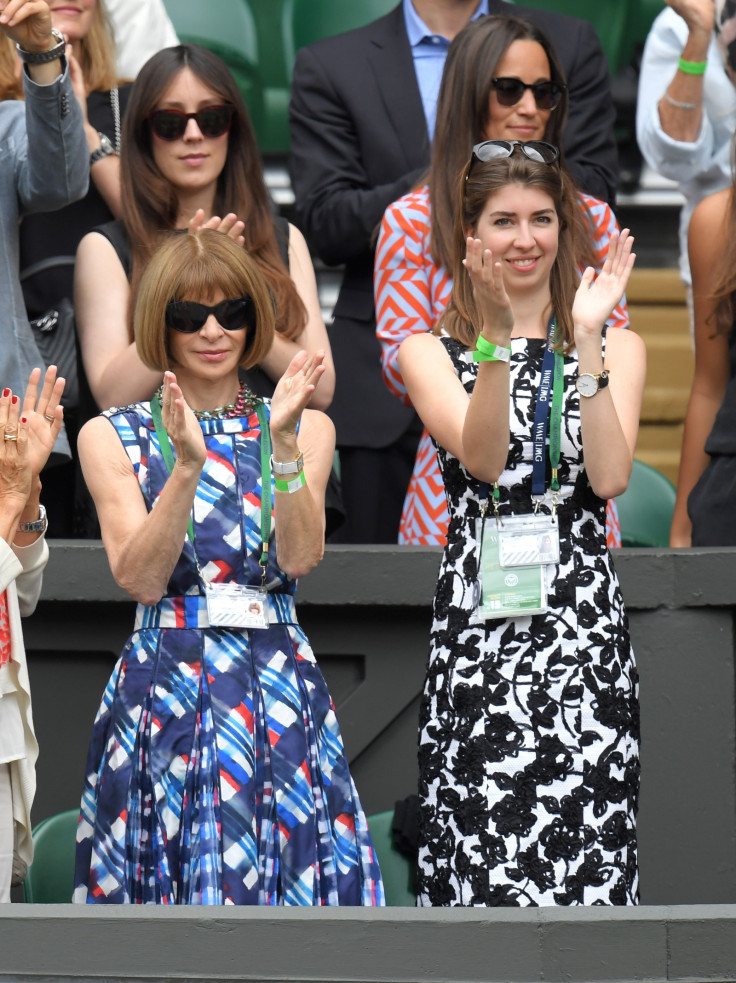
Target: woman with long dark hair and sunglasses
<point>189,159</point>
<point>502,80</point>
<point>529,726</point>
<point>216,772</point>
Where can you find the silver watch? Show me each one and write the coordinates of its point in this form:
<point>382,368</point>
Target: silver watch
<point>43,57</point>
<point>40,524</point>
<point>290,467</point>
<point>588,383</point>
<point>104,150</point>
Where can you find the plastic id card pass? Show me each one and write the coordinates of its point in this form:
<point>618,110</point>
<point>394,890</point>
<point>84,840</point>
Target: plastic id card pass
<point>526,540</point>
<point>506,592</point>
<point>236,606</point>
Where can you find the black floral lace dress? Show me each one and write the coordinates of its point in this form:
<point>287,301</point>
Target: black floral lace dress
<point>529,727</point>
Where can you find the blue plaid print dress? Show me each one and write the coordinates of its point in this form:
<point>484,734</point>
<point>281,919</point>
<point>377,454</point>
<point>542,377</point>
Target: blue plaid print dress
<point>216,771</point>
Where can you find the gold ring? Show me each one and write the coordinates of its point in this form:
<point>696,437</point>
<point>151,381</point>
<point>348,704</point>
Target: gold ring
<point>10,436</point>
<point>49,418</point>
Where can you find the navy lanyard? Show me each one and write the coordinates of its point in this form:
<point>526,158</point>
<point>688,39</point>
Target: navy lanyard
<point>549,403</point>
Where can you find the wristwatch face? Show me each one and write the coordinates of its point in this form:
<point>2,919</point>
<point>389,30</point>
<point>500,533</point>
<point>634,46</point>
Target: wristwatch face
<point>587,384</point>
<point>104,150</point>
<point>289,467</point>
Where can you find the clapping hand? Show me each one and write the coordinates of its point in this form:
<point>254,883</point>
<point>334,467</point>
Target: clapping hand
<point>294,390</point>
<point>597,296</point>
<point>44,415</point>
<point>181,425</point>
<point>492,301</point>
<point>231,225</point>
<point>15,464</point>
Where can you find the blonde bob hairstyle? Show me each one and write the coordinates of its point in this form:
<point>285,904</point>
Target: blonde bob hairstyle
<point>194,266</point>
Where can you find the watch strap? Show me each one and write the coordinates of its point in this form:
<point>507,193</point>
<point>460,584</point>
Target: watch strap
<point>43,57</point>
<point>105,149</point>
<point>288,467</point>
<point>40,524</point>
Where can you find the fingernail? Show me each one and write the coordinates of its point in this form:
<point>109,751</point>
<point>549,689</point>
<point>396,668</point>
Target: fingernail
<point>6,393</point>
<point>14,400</point>
<point>23,420</point>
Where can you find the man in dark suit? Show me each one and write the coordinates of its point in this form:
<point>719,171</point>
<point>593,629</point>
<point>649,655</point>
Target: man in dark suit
<point>360,140</point>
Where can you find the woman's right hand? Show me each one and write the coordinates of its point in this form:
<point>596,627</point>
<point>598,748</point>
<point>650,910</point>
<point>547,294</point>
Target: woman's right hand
<point>230,225</point>
<point>492,301</point>
<point>181,425</point>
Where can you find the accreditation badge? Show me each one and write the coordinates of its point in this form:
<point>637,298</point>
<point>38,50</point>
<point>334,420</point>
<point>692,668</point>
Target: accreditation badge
<point>505,592</point>
<point>236,606</point>
<point>528,540</point>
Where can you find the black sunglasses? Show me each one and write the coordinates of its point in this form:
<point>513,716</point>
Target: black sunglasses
<point>170,124</point>
<point>509,91</point>
<point>537,150</point>
<point>233,315</point>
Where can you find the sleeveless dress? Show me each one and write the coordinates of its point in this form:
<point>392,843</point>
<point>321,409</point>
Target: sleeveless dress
<point>529,726</point>
<point>710,504</point>
<point>216,771</point>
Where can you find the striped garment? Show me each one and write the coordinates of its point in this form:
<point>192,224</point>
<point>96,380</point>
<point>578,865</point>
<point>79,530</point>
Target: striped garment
<point>411,293</point>
<point>216,771</point>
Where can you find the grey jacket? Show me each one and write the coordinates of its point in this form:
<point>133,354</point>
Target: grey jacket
<point>44,165</point>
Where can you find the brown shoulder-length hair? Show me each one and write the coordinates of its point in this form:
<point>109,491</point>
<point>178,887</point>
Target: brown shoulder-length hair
<point>193,267</point>
<point>149,202</point>
<point>723,293</point>
<point>480,180</point>
<point>95,53</point>
<point>463,108</point>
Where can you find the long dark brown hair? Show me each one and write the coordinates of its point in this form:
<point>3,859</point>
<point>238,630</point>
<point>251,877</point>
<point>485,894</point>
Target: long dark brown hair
<point>463,108</point>
<point>461,319</point>
<point>150,204</point>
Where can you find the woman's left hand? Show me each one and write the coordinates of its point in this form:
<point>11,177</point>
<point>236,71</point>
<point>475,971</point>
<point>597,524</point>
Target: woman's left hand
<point>231,225</point>
<point>44,414</point>
<point>597,296</point>
<point>294,390</point>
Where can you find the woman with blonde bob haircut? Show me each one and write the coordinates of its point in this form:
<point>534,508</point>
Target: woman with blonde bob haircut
<point>214,267</point>
<point>211,504</point>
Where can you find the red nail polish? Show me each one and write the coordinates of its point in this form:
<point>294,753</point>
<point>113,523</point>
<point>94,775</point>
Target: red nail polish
<point>14,400</point>
<point>23,420</point>
<point>6,392</point>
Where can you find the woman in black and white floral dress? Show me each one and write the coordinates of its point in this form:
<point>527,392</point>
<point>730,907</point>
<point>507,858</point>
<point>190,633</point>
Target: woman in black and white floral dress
<point>528,750</point>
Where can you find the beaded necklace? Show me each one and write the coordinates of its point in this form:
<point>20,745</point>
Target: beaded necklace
<point>244,405</point>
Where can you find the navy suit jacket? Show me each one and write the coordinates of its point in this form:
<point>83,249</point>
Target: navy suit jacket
<point>359,141</point>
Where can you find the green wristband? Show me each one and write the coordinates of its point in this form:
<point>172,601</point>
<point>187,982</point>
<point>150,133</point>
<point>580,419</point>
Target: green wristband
<point>485,351</point>
<point>692,67</point>
<point>291,486</point>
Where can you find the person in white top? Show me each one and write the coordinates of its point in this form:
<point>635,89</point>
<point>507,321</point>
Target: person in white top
<point>141,28</point>
<point>686,109</point>
<point>28,430</point>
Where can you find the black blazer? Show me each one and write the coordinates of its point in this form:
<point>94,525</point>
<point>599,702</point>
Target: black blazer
<point>359,141</point>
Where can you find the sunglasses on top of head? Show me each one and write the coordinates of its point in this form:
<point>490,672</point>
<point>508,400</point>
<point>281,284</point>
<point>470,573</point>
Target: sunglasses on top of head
<point>509,91</point>
<point>188,316</point>
<point>539,151</point>
<point>170,124</point>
